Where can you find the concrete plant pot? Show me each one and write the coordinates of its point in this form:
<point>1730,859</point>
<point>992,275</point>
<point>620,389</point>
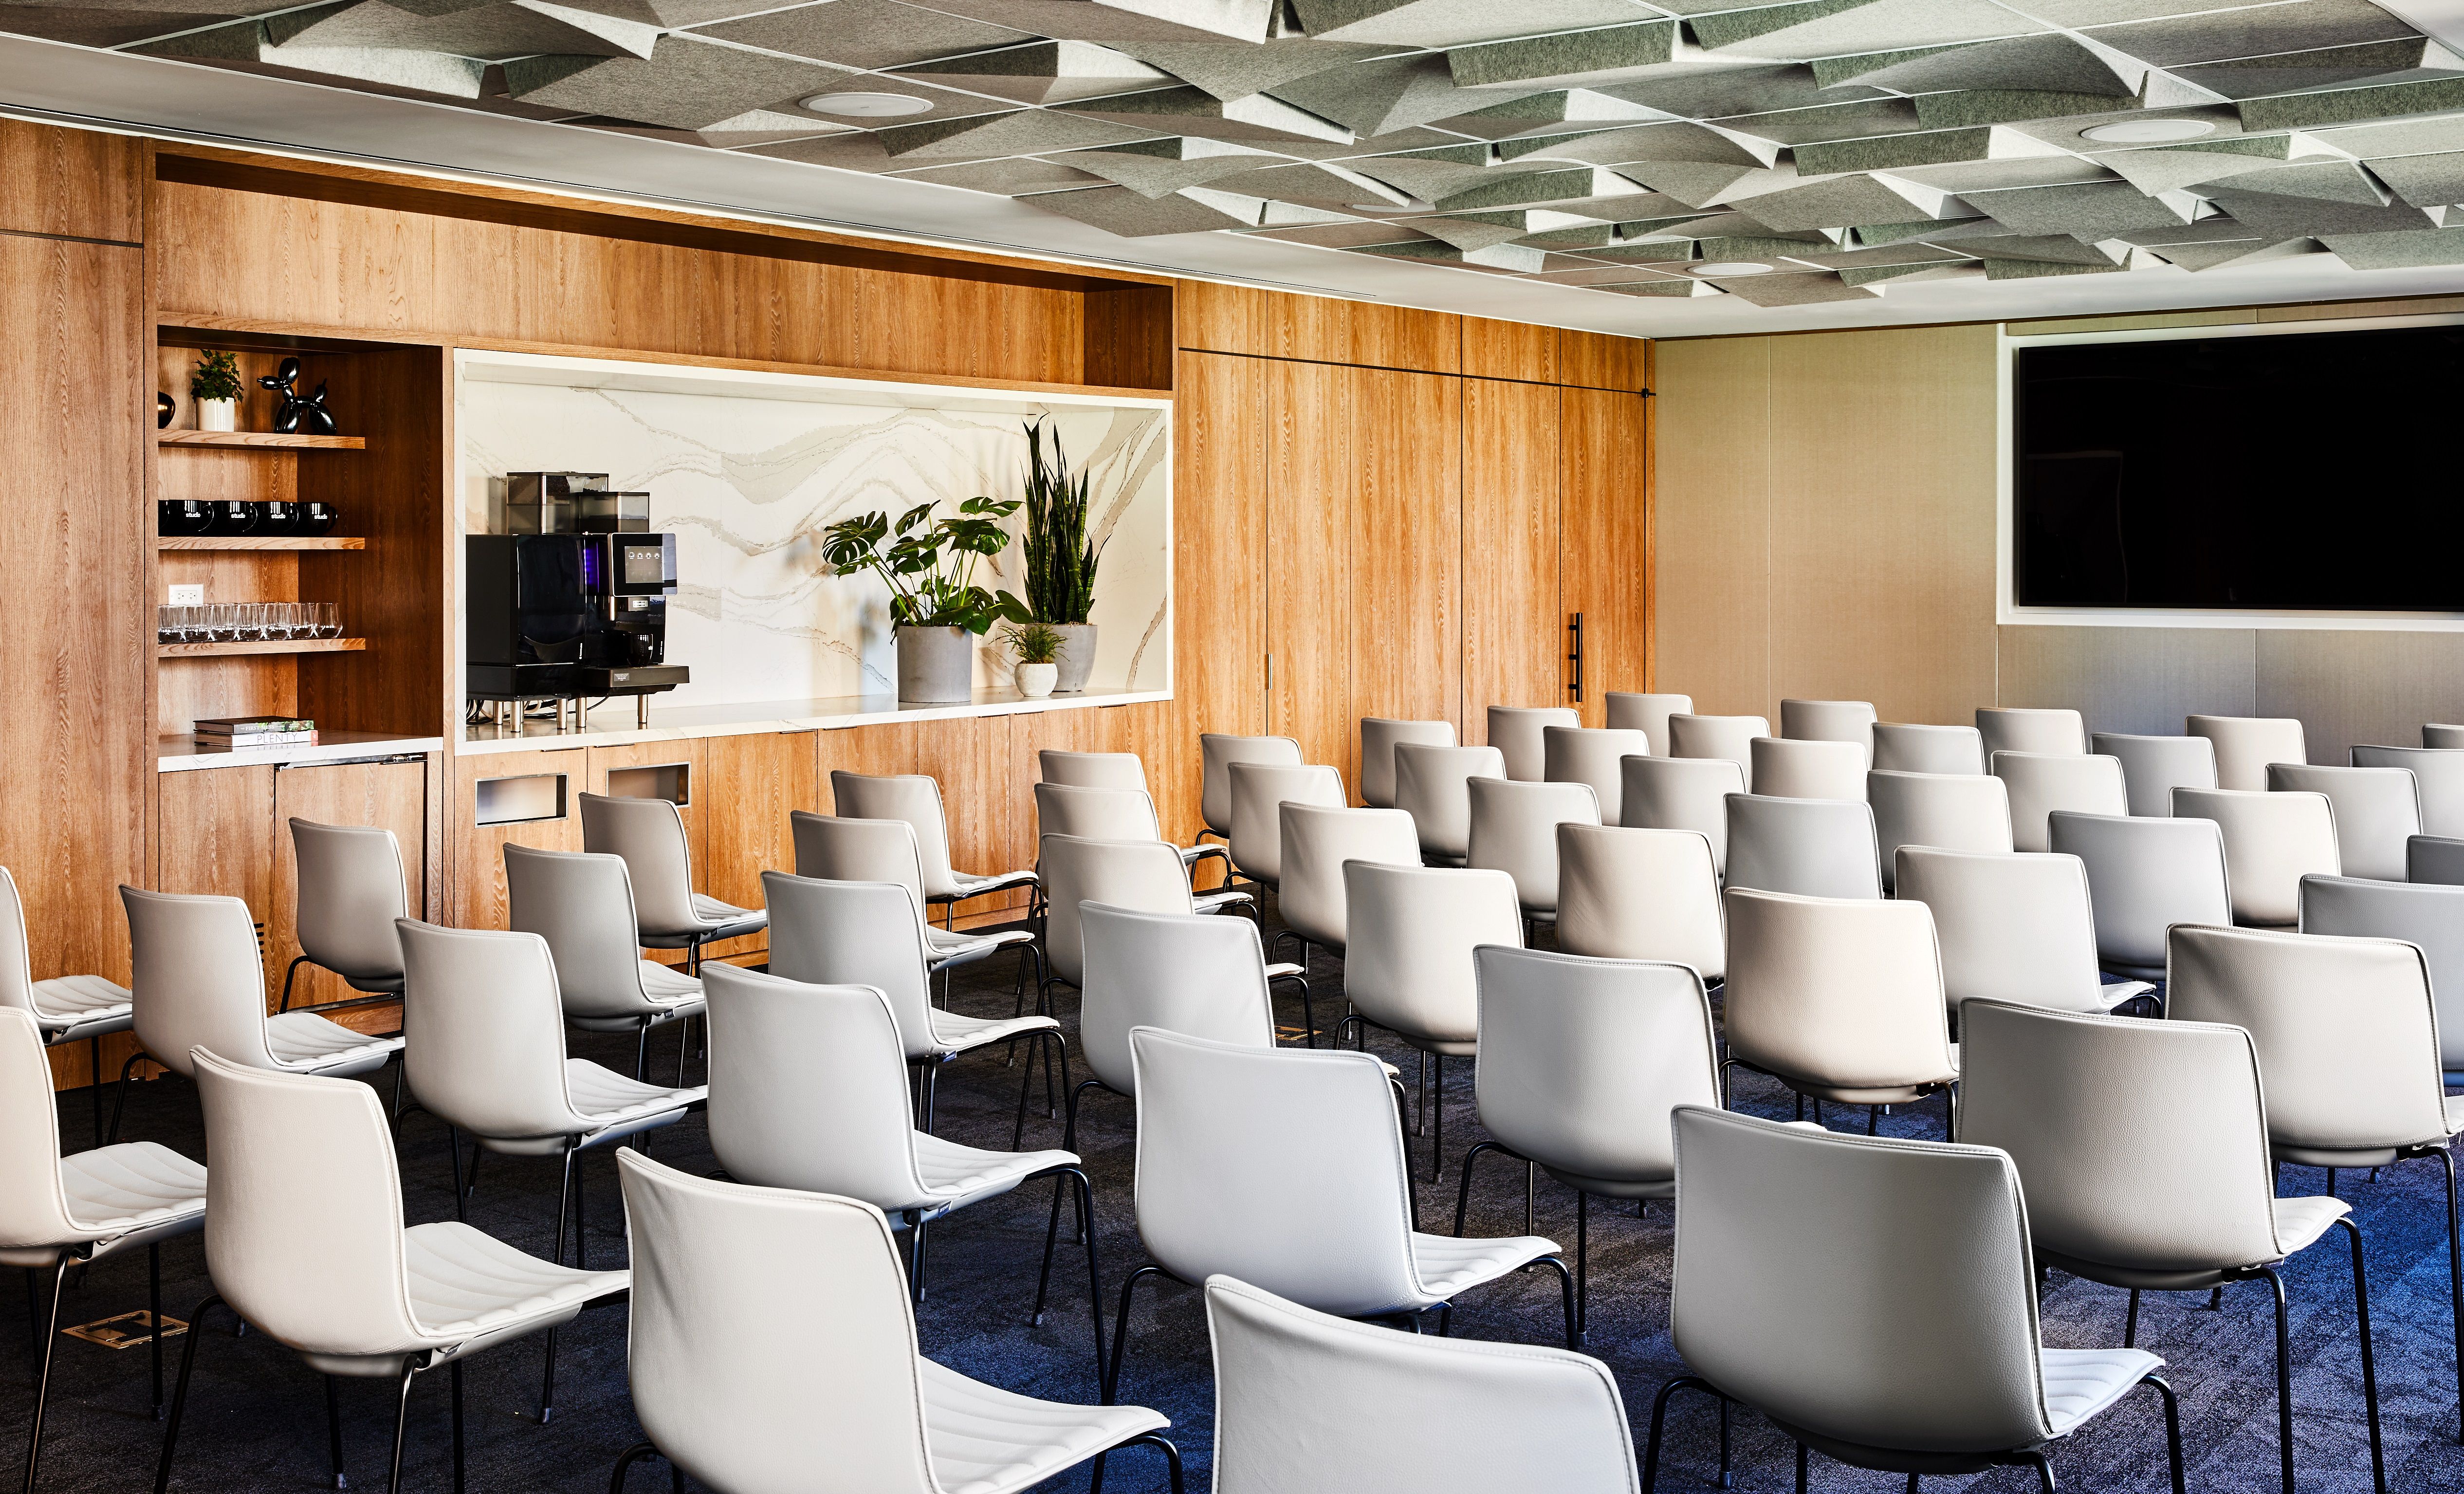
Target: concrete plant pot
<point>936,665</point>
<point>1076,659</point>
<point>1035,680</point>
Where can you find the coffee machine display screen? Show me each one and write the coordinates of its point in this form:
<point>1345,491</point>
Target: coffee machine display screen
<point>643,564</point>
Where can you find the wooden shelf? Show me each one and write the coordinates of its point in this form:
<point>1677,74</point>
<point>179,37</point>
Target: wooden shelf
<point>273,645</point>
<point>260,439</point>
<point>259,542</point>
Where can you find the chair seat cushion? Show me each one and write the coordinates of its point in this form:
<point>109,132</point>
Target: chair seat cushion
<point>1615,1187</point>
<point>609,1098</point>
<point>726,920</point>
<point>1447,1265</point>
<point>2080,1382</point>
<point>949,947</point>
<point>307,1044</point>
<point>970,885</point>
<point>2301,1221</point>
<point>1216,902</point>
<point>955,1032</point>
<point>982,1439</point>
<point>79,1002</point>
<point>1285,967</point>
<point>470,1289</point>
<point>956,1176</point>
<point>136,1187</point>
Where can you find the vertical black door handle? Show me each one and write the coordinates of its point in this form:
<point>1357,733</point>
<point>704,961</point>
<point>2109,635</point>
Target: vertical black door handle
<point>1575,686</point>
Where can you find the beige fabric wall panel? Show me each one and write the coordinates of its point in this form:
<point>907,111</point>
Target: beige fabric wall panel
<point>1713,495</point>
<point>2132,679</point>
<point>2368,687</point>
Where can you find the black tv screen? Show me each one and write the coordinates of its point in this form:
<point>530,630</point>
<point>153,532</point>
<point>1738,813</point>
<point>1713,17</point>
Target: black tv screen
<point>2307,470</point>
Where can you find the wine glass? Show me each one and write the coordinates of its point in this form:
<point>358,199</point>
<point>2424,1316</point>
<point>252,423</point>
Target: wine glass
<point>329,620</point>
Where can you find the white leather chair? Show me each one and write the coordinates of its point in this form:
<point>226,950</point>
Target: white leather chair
<point>2377,811</point>
<point>1514,830</point>
<point>1906,747</point>
<point>917,798</point>
<point>2013,928</point>
<point>1129,874</point>
<point>1788,768</point>
<point>1953,811</point>
<point>1829,722</point>
<point>1839,999</point>
<point>57,1212</point>
<point>351,890</point>
<point>2437,774</point>
<point>2435,733</point>
<point>836,849</point>
<point>1432,785</point>
<point>1110,812</point>
<point>1812,848</point>
<point>1802,1290</point>
<point>1379,737</point>
<point>582,904</point>
<point>1640,894</point>
<point>1317,841</point>
<point>2426,915</point>
<point>1259,793</point>
<point>1216,752</point>
<point>649,834</point>
<point>2246,744</point>
<point>1631,710</point>
<point>1514,731</point>
<point>1727,737</point>
<point>2041,782</point>
<point>1593,755</point>
<point>1684,794</point>
<point>1581,1059</point>
<point>1206,977</point>
<point>298,1159</point>
<point>2144,876</point>
<point>2435,859</point>
<point>1304,1400</point>
<point>1090,769</point>
<point>2015,728</point>
<point>2152,767</point>
<point>2143,1150</point>
<point>2271,842</point>
<point>733,1288</point>
<point>64,1009</point>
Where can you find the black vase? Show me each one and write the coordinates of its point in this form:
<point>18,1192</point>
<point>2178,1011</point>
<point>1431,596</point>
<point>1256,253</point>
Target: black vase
<point>316,519</point>
<point>181,517</point>
<point>277,517</point>
<point>235,519</point>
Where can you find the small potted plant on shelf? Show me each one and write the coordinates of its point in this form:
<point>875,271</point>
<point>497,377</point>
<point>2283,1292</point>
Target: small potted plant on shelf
<point>1035,646</point>
<point>215,389</point>
<point>1061,560</point>
<point>930,565</point>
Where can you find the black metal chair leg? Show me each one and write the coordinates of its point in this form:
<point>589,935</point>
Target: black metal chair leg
<point>401,1424</point>
<point>624,1461</point>
<point>289,976</point>
<point>1121,1331</point>
<point>154,1320</point>
<point>1800,1447</point>
<point>1043,1277</point>
<point>932,1084</point>
<point>2130,1322</point>
<point>1025,1086</point>
<point>119,1099</point>
<point>2172,1427</point>
<point>179,1392</point>
<point>1438,1117</point>
<point>1085,1193</point>
<point>1462,1192</point>
<point>1659,1422</point>
<point>641,1052</point>
<point>94,1067</point>
<point>43,1385</point>
<point>2369,1360</point>
<point>1171,1456</point>
<point>1566,1287</point>
<point>1727,1474</point>
<point>2455,1282</point>
<point>1069,1127</point>
<point>457,1426</point>
<point>1582,1264</point>
<point>454,1149</point>
<point>334,1429</point>
<point>2045,1462</point>
<point>2283,1375</point>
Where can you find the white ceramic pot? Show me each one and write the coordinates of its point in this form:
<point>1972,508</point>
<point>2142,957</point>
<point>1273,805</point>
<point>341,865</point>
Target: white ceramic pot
<point>1035,681</point>
<point>217,414</point>
<point>1077,657</point>
<point>936,665</point>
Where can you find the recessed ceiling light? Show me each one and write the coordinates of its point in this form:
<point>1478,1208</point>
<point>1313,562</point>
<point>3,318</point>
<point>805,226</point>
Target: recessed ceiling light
<point>1739,267</point>
<point>2149,132</point>
<point>869,106</point>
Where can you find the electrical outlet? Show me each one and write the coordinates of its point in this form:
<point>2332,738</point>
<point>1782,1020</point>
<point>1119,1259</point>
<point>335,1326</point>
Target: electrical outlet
<point>188,596</point>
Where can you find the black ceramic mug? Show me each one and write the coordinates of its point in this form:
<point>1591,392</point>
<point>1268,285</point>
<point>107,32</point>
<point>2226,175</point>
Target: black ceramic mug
<point>182,516</point>
<point>316,519</point>
<point>277,517</point>
<point>235,519</point>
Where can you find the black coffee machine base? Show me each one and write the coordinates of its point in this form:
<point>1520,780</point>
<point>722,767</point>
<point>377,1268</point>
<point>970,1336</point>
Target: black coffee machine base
<point>641,682</point>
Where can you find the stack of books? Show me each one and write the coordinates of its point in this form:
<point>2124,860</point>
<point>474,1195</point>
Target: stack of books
<point>233,731</point>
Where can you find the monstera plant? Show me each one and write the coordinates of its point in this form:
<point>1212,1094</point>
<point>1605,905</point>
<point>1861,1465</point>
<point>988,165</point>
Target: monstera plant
<point>930,564</point>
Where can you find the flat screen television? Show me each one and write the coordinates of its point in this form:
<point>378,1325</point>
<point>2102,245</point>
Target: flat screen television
<point>2311,472</point>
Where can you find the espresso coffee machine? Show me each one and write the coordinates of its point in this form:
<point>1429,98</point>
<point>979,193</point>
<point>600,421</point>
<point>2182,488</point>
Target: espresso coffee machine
<point>568,617</point>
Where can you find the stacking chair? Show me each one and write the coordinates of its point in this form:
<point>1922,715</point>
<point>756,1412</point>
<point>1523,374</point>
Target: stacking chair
<point>301,1160</point>
<point>1286,1169</point>
<point>835,849</point>
<point>1514,731</point>
<point>1904,747</point>
<point>1379,737</point>
<point>2014,928</point>
<point>57,1212</point>
<point>1648,714</point>
<point>917,798</point>
<point>2435,733</point>
<point>2377,811</point>
<point>1955,811</point>
<point>2425,915</point>
<point>1775,1222</point>
<point>1317,839</point>
<point>2246,744</point>
<point>1112,813</point>
<point>1581,1059</point>
<point>1787,768</point>
<point>2143,1150</point>
<point>2152,767</point>
<point>1640,894</point>
<point>1812,847</point>
<point>2438,776</point>
<point>350,891</point>
<point>1433,785</point>
<point>1259,793</point>
<point>1216,752</point>
<point>1829,722</point>
<point>1593,755</point>
<point>2144,876</point>
<point>1077,871</point>
<point>2435,858</point>
<point>64,1009</point>
<point>1727,736</point>
<point>1206,977</point>
<point>2271,842</point>
<point>2011,729</point>
<point>649,834</point>
<point>1090,769</point>
<point>1304,1400</point>
<point>735,1288</point>
<point>2041,782</point>
<point>1514,830</point>
<point>582,904</point>
<point>1839,999</point>
<point>1684,794</point>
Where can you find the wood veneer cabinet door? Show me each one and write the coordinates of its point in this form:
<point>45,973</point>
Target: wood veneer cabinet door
<point>1309,489</point>
<point>753,784</point>
<point>217,836</point>
<point>478,887</point>
<point>1407,548</point>
<point>1513,640</point>
<point>1608,564</point>
<point>389,796</point>
<point>1221,456</point>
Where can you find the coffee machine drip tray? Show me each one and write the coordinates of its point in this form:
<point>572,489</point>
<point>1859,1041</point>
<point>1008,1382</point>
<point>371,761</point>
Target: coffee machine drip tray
<point>637,679</point>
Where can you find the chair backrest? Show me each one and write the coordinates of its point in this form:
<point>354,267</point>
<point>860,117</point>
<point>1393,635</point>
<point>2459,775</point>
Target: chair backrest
<point>1626,893</point>
<point>2438,776</point>
<point>2144,876</point>
<point>1413,930</point>
<point>1216,752</point>
<point>582,904</point>
<point>1198,973</point>
<point>16,950</point>
<point>1812,848</point>
<point>1432,785</point>
<point>2426,915</point>
<point>484,1032</point>
<point>1684,794</point>
<point>197,978</point>
<point>302,1168</point>
<point>733,1286</point>
<point>1581,1059</point>
<point>1594,756</point>
<point>1841,992</point>
<point>2152,767</point>
<point>808,1087</point>
<point>2435,858</point>
<point>1076,871</point>
<point>649,834</point>
<point>1096,814</point>
<point>1514,830</point>
<point>1829,722</point>
<point>2377,810</point>
<point>1379,737</point>
<point>913,797</point>
<point>1955,811</point>
<point>871,934</point>
<point>2435,733</point>
<point>839,849</point>
<point>1648,714</point>
<point>1317,839</point>
<point>1514,731</point>
<point>1090,769</point>
<point>2271,842</point>
<point>2143,1145</point>
<point>1799,1266</point>
<point>2015,728</point>
<point>1282,1167</point>
<point>34,1205</point>
<point>350,891</point>
<point>2246,744</point>
<point>2041,782</point>
<point>2011,928</point>
<point>1788,768</point>
<point>1294,1387</point>
<point>1907,747</point>
<point>1259,793</point>
<point>1727,737</point>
